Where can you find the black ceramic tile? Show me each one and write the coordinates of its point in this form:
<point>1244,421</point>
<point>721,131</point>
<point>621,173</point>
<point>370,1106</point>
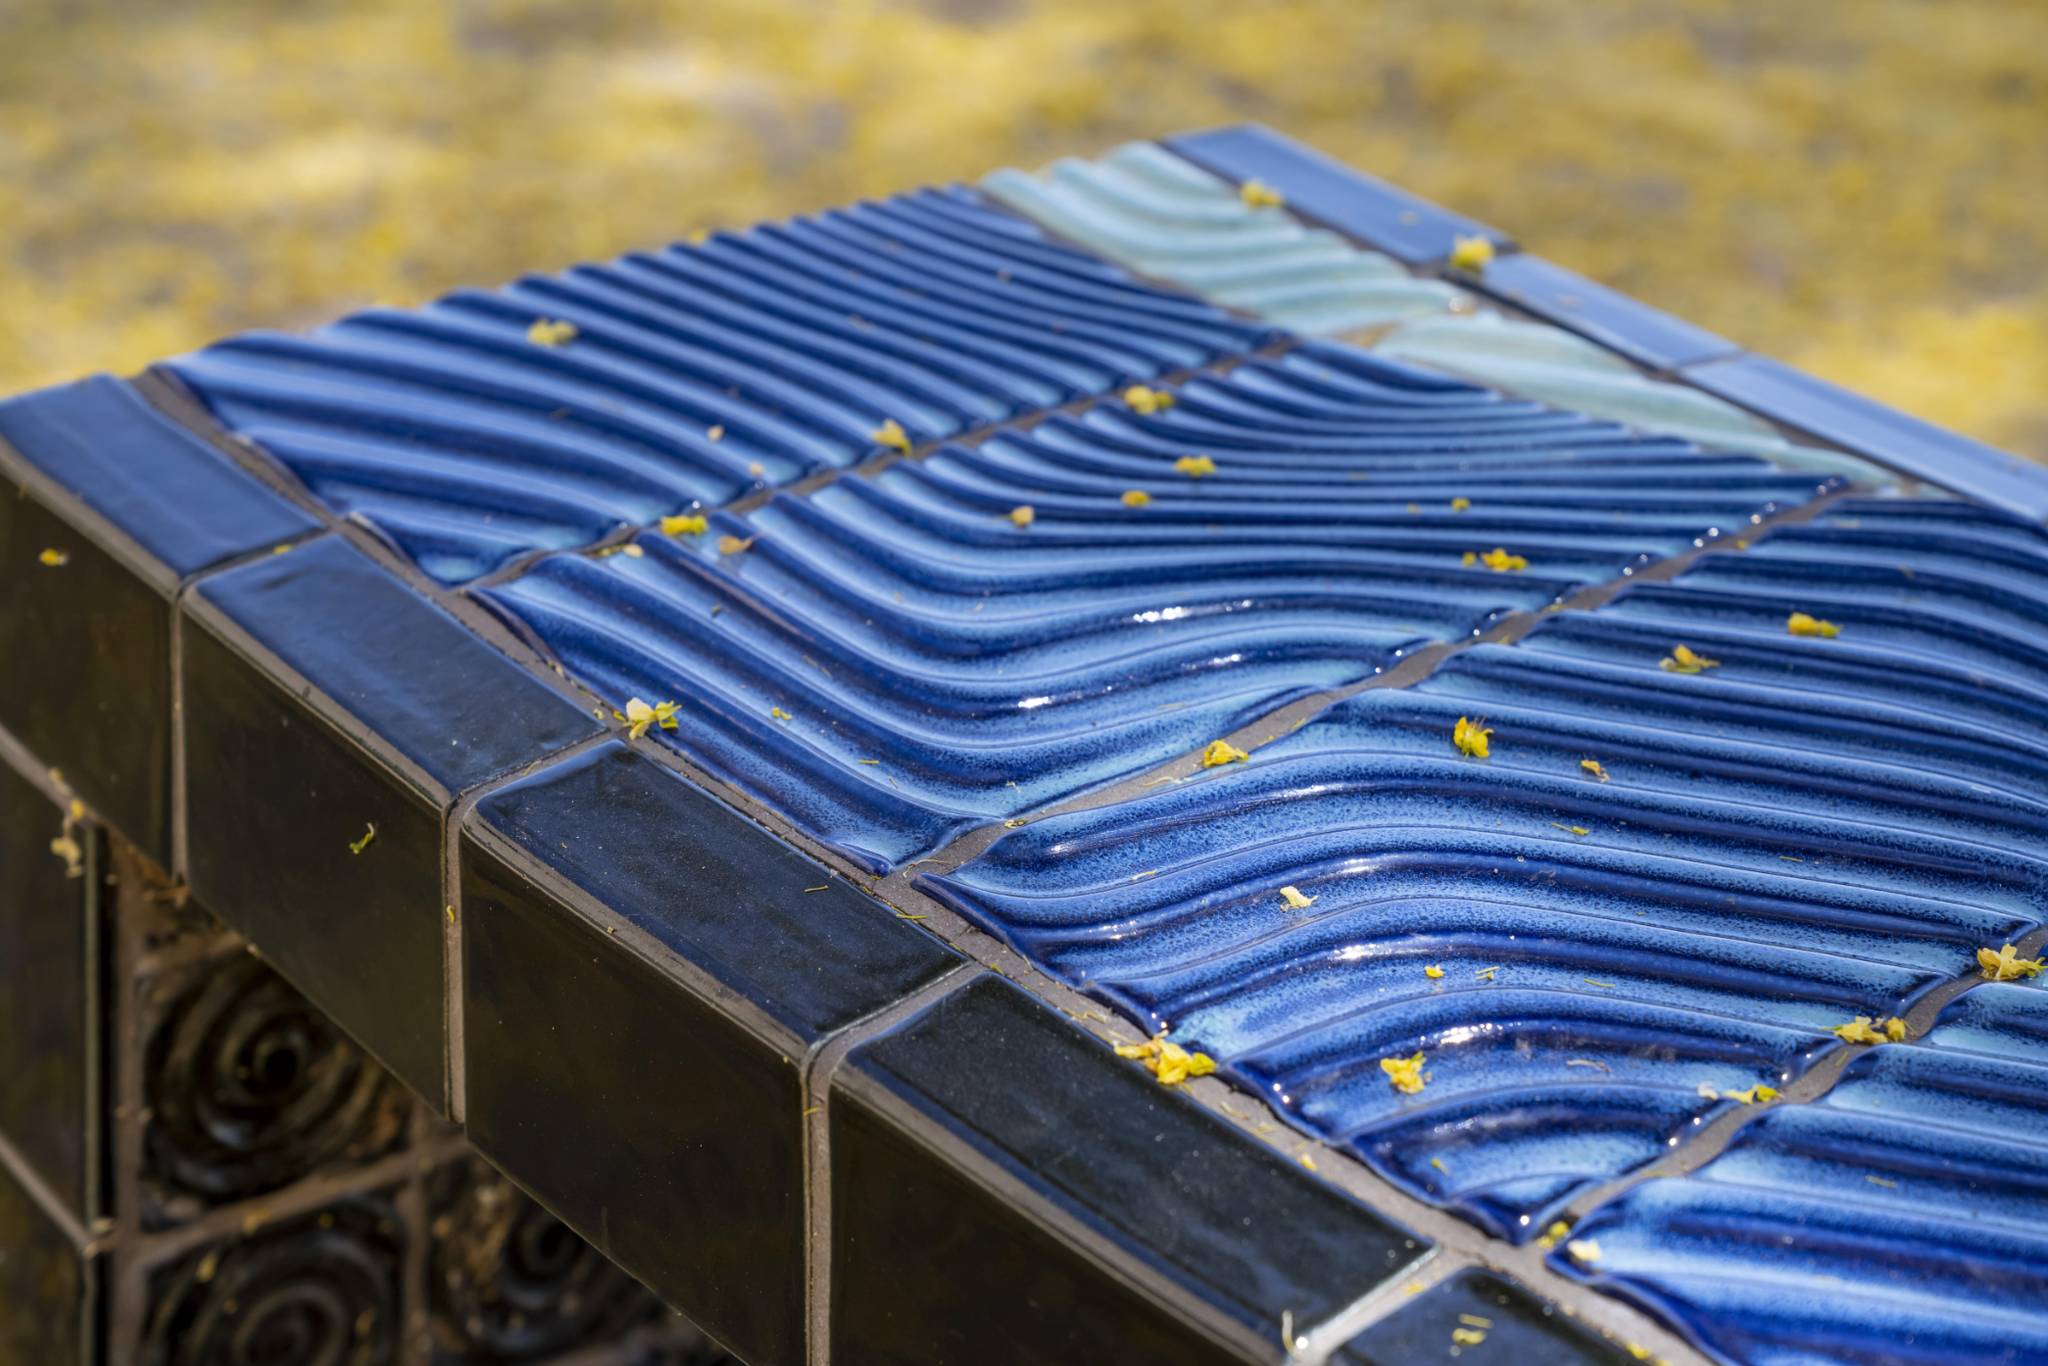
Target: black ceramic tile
<point>282,792</point>
<point>126,503</point>
<point>1620,323</point>
<point>1884,434</point>
<point>1401,224</point>
<point>932,1265</point>
<point>45,1079</point>
<point>650,1121</point>
<point>45,1286</point>
<point>764,920</point>
<point>1478,1317</point>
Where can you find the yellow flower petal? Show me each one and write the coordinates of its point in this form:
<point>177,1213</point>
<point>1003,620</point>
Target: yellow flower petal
<point>685,524</point>
<point>1895,1029</point>
<point>1258,194</point>
<point>1147,400</point>
<point>778,713</point>
<point>1222,752</point>
<point>733,545</point>
<point>1800,624</point>
<point>892,435</point>
<point>1584,1250</point>
<point>1593,767</point>
<point>1461,504</point>
<point>1501,562</point>
<point>1432,972</point>
<point>1683,659</point>
<point>1295,900</point>
<point>1136,498</point>
<point>1859,1030</point>
<point>1195,466</point>
<point>1023,514</point>
<point>1405,1074</point>
<point>2006,965</point>
<point>369,836</point>
<point>1472,737</point>
<point>1472,254</point>
<point>551,332</point>
<point>54,559</point>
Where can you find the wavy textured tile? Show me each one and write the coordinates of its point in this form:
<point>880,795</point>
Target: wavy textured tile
<point>1904,1217</point>
<point>1550,364</point>
<point>990,668</point>
<point>1815,829</point>
<point>697,373</point>
<point>1165,216</point>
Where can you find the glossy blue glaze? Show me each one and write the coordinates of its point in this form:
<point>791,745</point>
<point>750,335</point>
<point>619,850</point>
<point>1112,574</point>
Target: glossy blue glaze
<point>1814,830</point>
<point>697,373</point>
<point>1885,434</point>
<point>1618,322</point>
<point>1390,218</point>
<point>1902,1217</point>
<point>990,669</point>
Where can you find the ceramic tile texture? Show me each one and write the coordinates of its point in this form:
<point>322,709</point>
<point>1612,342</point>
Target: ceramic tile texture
<point>1728,802</point>
<point>1164,216</point>
<point>893,659</point>
<point>696,374</point>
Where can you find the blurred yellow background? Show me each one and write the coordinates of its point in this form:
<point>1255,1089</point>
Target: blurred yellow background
<point>1860,188</point>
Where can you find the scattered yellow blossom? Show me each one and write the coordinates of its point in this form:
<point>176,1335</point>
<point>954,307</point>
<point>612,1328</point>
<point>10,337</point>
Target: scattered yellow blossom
<point>1583,1250</point>
<point>639,716</point>
<point>1432,972</point>
<point>892,435</point>
<point>1023,514</point>
<point>1221,752</point>
<point>54,558</point>
<point>715,432</point>
<point>1258,194</point>
<point>1472,737</point>
<point>1169,1062</point>
<point>1468,1337</point>
<point>1594,767</point>
<point>1308,1161</point>
<point>1195,466</point>
<point>2006,965</point>
<point>733,545</point>
<point>1294,899</point>
<point>1683,659</point>
<point>1461,504</point>
<point>778,713</point>
<point>1754,1095</point>
<point>1471,253</point>
<point>685,524</point>
<point>551,332</point>
<point>1405,1074</point>
<point>1557,1230</point>
<point>1500,562</point>
<point>1895,1029</point>
<point>1800,624</point>
<point>1147,400</point>
<point>1136,498</point>
<point>1859,1030</point>
<point>369,835</point>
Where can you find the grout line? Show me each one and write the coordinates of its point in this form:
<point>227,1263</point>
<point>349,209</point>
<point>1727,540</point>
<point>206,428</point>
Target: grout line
<point>818,1068</point>
<point>1712,1139</point>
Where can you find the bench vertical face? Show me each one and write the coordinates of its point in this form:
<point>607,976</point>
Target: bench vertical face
<point>1184,756</point>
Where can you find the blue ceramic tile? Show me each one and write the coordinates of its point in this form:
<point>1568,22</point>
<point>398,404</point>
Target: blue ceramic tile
<point>1812,830</point>
<point>893,660</point>
<point>411,673</point>
<point>801,943</point>
<point>1099,1142</point>
<point>1396,222</point>
<point>1163,215</point>
<point>175,496</point>
<point>697,374</point>
<point>1615,320</point>
<point>1512,1326</point>
<point>87,599</point>
<point>1884,434</point>
<point>1904,1209</point>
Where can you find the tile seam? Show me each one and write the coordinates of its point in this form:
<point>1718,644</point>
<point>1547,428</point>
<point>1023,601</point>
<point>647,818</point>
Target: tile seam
<point>1325,1339</point>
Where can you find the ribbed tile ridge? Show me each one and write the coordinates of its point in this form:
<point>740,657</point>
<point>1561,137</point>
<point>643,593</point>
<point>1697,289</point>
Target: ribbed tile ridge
<point>1903,1217</point>
<point>697,373</point>
<point>941,666</point>
<point>1165,216</point>
<point>1658,881</point>
<point>1548,363</point>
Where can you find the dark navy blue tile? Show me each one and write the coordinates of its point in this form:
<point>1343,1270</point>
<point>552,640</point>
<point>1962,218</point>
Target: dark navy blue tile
<point>1618,322</point>
<point>1885,434</point>
<point>115,505</point>
<point>48,1105</point>
<point>325,700</point>
<point>1098,1142</point>
<point>1478,1317</point>
<point>647,1116</point>
<point>47,1288</point>
<point>1376,213</point>
<point>177,497</point>
<point>768,922</point>
<point>694,374</point>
